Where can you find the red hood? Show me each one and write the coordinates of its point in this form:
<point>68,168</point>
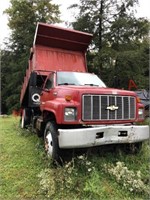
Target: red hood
<point>72,90</point>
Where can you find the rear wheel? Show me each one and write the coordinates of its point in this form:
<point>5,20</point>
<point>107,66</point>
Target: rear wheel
<point>51,142</point>
<point>25,117</point>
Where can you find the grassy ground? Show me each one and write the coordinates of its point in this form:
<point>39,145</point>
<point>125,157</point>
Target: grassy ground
<point>20,161</point>
<point>26,173</point>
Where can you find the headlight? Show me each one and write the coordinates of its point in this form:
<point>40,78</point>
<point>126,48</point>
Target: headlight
<point>141,113</point>
<point>70,114</point>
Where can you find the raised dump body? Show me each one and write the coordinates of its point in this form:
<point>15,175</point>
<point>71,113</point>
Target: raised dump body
<point>55,49</point>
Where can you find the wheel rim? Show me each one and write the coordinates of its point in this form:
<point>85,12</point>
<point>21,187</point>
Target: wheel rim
<point>49,143</point>
<point>22,119</point>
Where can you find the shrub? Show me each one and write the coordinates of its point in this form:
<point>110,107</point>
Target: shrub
<point>129,179</point>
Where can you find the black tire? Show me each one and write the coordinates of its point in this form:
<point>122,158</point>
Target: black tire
<point>39,133</point>
<point>25,118</point>
<point>51,142</point>
<point>133,148</point>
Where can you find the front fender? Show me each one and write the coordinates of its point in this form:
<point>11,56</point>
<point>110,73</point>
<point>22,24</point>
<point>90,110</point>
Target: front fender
<point>54,107</point>
<point>57,108</point>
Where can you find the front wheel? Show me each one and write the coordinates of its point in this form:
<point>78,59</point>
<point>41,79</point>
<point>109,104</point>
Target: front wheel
<point>51,142</point>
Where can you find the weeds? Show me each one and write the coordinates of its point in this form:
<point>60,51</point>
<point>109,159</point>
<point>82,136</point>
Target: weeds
<point>66,179</point>
<point>81,177</point>
<point>129,179</point>
<point>47,182</point>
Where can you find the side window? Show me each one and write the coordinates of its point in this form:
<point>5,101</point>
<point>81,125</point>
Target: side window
<point>49,83</point>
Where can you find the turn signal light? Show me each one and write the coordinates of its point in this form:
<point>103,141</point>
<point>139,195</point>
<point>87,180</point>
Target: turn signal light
<point>138,100</point>
<point>68,97</point>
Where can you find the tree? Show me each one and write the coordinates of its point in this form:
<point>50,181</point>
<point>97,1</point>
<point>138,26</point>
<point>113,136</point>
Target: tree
<point>129,38</point>
<point>118,37</point>
<point>23,17</point>
<point>97,16</point>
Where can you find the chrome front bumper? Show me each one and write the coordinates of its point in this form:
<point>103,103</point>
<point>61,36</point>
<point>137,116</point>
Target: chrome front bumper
<point>102,135</point>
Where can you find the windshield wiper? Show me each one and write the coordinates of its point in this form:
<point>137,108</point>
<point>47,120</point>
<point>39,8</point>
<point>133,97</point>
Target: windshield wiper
<point>66,84</point>
<point>91,84</point>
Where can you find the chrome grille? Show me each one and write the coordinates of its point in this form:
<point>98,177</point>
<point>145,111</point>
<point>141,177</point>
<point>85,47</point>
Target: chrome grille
<point>98,107</point>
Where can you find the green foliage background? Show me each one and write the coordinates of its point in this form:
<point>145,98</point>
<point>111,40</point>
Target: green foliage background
<point>119,50</point>
<point>120,45</point>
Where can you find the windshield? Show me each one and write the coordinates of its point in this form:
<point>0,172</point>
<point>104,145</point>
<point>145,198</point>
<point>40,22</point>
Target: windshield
<point>78,78</point>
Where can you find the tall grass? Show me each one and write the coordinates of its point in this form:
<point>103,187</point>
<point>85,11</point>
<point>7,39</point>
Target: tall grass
<point>21,161</point>
<point>26,172</point>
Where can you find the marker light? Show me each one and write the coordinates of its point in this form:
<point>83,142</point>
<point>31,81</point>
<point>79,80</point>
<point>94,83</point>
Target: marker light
<point>68,97</point>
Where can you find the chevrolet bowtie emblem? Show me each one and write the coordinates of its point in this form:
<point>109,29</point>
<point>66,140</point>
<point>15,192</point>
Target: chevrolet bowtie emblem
<point>112,107</point>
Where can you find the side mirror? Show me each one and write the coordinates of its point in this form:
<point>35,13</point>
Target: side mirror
<point>46,90</point>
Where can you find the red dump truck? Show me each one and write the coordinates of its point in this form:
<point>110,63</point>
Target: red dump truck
<point>70,107</point>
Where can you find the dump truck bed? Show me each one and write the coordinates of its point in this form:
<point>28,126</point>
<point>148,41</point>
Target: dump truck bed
<point>55,48</point>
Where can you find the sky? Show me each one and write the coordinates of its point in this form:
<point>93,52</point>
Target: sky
<point>67,15</point>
